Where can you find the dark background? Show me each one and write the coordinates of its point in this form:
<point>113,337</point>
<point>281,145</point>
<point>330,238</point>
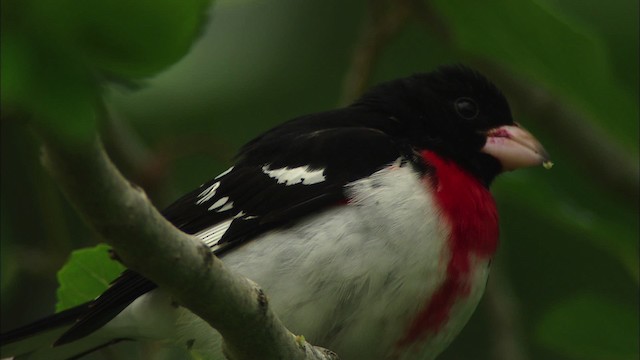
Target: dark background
<point>565,281</point>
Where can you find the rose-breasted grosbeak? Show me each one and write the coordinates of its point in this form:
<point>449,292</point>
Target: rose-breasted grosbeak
<point>370,227</point>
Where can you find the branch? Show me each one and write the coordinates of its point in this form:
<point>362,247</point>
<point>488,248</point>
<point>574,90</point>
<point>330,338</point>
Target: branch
<point>150,166</point>
<point>122,215</point>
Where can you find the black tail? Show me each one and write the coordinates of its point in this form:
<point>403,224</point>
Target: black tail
<point>62,319</point>
<point>35,341</point>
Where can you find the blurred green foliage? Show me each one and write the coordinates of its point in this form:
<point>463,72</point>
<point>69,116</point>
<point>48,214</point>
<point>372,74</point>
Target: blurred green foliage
<point>548,48</point>
<point>566,329</point>
<point>53,51</point>
<point>569,242</point>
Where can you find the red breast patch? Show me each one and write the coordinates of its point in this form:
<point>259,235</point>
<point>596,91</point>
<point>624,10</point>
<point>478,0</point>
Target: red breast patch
<point>471,212</point>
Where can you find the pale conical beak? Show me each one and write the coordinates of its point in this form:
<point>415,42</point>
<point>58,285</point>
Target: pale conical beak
<point>515,148</point>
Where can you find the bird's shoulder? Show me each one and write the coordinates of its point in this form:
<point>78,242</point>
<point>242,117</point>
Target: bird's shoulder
<point>287,173</point>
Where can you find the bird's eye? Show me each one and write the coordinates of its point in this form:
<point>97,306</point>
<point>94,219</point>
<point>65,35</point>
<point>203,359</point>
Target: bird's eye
<point>466,108</point>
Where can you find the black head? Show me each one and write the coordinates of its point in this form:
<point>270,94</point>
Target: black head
<point>449,111</point>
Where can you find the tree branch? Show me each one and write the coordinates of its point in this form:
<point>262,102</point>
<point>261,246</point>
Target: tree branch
<point>122,215</point>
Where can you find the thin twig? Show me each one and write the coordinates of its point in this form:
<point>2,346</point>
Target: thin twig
<point>501,303</point>
<point>384,20</point>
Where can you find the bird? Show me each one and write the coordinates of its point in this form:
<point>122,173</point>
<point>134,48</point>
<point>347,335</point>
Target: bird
<point>370,227</point>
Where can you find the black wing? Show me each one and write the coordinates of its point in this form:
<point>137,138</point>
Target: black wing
<point>266,188</point>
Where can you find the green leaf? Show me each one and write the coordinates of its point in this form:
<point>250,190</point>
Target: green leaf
<point>128,38</point>
<point>85,276</point>
<point>52,51</point>
<point>590,328</point>
<point>148,37</point>
<point>52,86</point>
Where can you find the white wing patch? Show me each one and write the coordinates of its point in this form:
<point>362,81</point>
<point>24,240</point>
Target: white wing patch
<point>298,175</point>
<point>242,215</point>
<point>227,206</point>
<point>213,234</point>
<point>219,203</point>
<point>208,193</point>
<point>224,173</point>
